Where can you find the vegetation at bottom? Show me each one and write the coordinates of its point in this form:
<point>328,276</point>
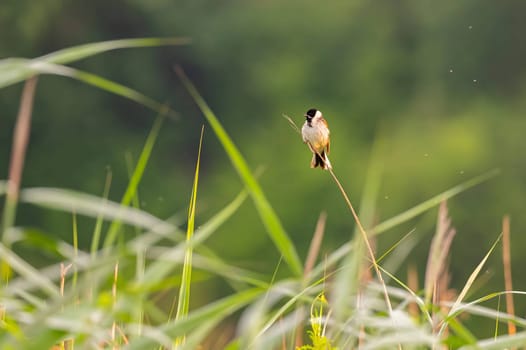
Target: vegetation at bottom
<point>135,291</point>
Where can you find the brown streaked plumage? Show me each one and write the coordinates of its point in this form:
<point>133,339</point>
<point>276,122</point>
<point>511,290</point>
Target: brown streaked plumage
<point>315,133</point>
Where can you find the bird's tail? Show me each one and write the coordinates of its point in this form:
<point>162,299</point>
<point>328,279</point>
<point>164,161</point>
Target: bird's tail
<point>321,160</point>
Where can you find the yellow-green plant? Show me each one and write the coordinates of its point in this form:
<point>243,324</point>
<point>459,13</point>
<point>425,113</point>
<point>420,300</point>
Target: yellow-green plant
<point>318,325</point>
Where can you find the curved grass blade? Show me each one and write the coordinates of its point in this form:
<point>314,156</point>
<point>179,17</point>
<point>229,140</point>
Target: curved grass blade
<point>216,312</point>
<point>432,202</point>
<point>419,301</point>
<point>474,308</point>
<point>342,251</point>
<point>40,67</point>
<point>266,212</point>
<point>27,271</point>
<point>503,342</point>
<point>15,70</point>
<point>462,332</point>
<point>168,260</point>
<point>79,52</point>
<point>85,204</point>
<point>232,274</point>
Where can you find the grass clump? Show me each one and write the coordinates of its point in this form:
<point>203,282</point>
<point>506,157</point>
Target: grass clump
<point>115,295</point>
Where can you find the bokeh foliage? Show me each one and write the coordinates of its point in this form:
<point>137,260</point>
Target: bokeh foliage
<point>441,84</point>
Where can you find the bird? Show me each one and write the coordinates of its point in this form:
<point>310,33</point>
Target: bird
<point>315,133</point>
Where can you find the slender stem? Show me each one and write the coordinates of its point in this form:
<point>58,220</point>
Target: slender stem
<point>356,219</point>
<point>20,140</point>
<point>506,261</point>
<point>366,240</point>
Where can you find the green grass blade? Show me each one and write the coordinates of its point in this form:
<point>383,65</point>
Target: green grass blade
<point>214,311</point>
<point>217,220</point>
<point>474,308</point>
<point>462,332</point>
<point>503,342</point>
<point>232,274</point>
<point>266,212</point>
<point>76,252</point>
<point>27,271</point>
<point>419,301</point>
<point>121,90</point>
<point>38,67</point>
<point>97,231</point>
<point>92,206</point>
<point>15,70</point>
<point>135,179</point>
<point>165,263</point>
<point>342,251</point>
<point>183,303</point>
<point>432,202</point>
<point>79,52</point>
<point>274,316</point>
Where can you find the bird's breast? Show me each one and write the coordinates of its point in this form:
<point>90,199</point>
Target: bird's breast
<point>315,135</point>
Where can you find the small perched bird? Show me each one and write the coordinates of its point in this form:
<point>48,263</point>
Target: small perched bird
<point>315,133</point>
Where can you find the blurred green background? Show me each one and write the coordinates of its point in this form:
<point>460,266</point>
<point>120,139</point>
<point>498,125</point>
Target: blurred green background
<point>442,84</point>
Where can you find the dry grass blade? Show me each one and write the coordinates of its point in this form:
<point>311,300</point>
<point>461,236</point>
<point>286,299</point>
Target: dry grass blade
<point>458,302</point>
<point>506,261</point>
<point>315,244</point>
<point>412,283</point>
<point>292,123</point>
<point>18,152</point>
<point>439,251</point>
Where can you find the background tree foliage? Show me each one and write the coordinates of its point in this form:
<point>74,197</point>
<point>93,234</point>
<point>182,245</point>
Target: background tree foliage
<point>442,86</point>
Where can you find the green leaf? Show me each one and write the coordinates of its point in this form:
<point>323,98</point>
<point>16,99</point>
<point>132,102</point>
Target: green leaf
<point>131,190</point>
<point>503,342</point>
<point>266,212</point>
<point>432,202</point>
<point>166,262</point>
<point>83,51</point>
<point>86,204</point>
<point>31,67</point>
<point>183,303</point>
<point>15,70</point>
<point>215,311</point>
<point>27,271</point>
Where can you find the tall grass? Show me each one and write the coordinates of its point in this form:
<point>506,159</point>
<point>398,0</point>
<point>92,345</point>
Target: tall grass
<point>108,298</point>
